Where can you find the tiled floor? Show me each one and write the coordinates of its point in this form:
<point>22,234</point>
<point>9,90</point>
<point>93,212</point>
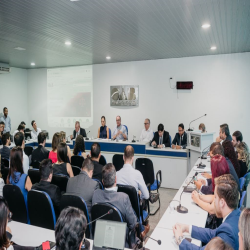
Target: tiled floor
<point>166,195</point>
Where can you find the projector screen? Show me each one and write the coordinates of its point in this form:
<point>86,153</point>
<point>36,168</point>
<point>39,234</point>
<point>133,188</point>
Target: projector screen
<point>70,96</point>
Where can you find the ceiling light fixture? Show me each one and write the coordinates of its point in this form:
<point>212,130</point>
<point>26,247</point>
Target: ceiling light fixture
<point>68,43</point>
<point>32,64</point>
<point>213,48</point>
<point>108,57</point>
<point>206,26</point>
<point>20,48</point>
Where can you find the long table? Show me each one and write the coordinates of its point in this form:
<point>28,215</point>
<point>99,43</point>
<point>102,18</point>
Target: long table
<point>195,216</point>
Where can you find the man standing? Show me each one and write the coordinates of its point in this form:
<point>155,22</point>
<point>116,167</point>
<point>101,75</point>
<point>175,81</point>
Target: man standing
<point>95,157</point>
<point>180,139</point>
<point>120,132</point>
<point>224,134</point>
<point>161,138</point>
<point>7,121</point>
<point>35,131</point>
<point>147,134</point>
<point>237,138</point>
<point>78,131</point>
<point>226,199</point>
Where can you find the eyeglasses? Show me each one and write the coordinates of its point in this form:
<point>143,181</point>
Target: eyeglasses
<point>146,123</point>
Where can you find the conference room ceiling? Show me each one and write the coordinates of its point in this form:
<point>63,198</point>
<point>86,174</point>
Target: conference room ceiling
<point>125,30</point>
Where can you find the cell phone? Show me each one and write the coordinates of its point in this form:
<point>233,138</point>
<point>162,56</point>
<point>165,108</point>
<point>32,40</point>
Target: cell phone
<point>46,245</point>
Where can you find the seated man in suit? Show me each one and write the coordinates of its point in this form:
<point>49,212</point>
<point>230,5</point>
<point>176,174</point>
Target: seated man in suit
<point>237,138</point>
<point>46,173</point>
<point>180,139</point>
<point>5,150</point>
<point>161,138</point>
<point>120,132</point>
<point>82,184</point>
<point>95,157</point>
<point>224,134</point>
<point>40,153</point>
<point>226,198</point>
<point>118,199</point>
<point>78,131</point>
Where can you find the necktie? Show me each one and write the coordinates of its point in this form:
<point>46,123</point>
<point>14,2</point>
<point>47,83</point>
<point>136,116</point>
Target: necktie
<point>180,140</point>
<point>160,140</point>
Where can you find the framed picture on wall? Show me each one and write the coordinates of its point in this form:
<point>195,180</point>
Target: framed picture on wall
<point>124,95</point>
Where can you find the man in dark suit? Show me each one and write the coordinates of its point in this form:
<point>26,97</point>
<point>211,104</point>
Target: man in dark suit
<point>226,198</point>
<point>40,153</point>
<point>118,199</point>
<point>95,157</point>
<point>224,134</point>
<point>82,184</point>
<point>46,173</point>
<point>180,139</point>
<point>161,138</point>
<point>5,151</point>
<point>78,131</point>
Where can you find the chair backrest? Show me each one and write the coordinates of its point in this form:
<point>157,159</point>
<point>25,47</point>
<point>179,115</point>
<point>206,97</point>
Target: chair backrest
<point>100,209</point>
<point>247,177</point>
<point>133,196</point>
<point>243,199</point>
<point>76,170</point>
<point>77,160</point>
<point>34,175</point>
<point>170,139</point>
<point>4,172</point>
<point>242,181</point>
<point>102,160</point>
<point>118,161</point>
<point>70,200</point>
<point>109,133</point>
<point>41,210</point>
<point>61,181</point>
<point>5,162</point>
<point>15,199</point>
<point>146,167</point>
<point>28,150</point>
<point>99,182</point>
<point>35,164</point>
<point>126,128</point>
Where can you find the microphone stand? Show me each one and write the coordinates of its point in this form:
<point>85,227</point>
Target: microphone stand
<point>87,137</point>
<point>193,121</point>
<point>143,247</point>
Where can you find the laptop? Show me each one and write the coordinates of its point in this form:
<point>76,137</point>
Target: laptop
<point>109,235</point>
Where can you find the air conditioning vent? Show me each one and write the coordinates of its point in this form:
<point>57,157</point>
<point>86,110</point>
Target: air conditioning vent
<point>4,70</point>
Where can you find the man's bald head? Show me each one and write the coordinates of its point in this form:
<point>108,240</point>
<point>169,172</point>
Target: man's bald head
<point>128,153</point>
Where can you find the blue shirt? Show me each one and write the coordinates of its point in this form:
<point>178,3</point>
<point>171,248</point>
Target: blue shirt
<point>7,121</point>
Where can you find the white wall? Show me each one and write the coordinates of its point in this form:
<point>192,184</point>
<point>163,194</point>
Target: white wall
<point>221,89</point>
<point>14,95</point>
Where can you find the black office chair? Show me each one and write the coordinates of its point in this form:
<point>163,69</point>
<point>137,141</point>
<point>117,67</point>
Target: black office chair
<point>34,175</point>
<point>4,172</point>
<point>118,161</point>
<point>142,215</point>
<point>35,164</point>
<point>99,182</point>
<point>102,160</point>
<point>28,150</point>
<point>5,163</point>
<point>61,181</point>
<point>76,170</point>
<point>77,160</point>
<point>70,200</point>
<point>41,210</point>
<point>146,167</point>
<point>15,199</point>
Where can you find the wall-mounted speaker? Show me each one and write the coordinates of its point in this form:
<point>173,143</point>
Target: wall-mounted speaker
<point>184,85</point>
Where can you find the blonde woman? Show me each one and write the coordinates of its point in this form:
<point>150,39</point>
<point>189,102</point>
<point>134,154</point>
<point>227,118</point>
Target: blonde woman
<point>244,230</point>
<point>63,139</point>
<point>202,127</point>
<point>243,158</point>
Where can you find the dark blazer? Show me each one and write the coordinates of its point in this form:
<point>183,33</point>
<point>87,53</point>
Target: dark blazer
<point>5,152</point>
<point>120,201</point>
<point>53,191</point>
<point>183,140</point>
<point>82,132</point>
<point>84,187</point>
<point>243,168</point>
<point>166,140</point>
<point>97,174</point>
<point>39,154</point>
<point>229,138</point>
<point>227,231</point>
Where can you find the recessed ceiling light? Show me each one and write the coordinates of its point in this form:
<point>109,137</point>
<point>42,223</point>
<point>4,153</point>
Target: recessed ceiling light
<point>68,43</point>
<point>205,25</point>
<point>213,48</point>
<point>32,64</point>
<point>108,57</point>
<point>20,48</point>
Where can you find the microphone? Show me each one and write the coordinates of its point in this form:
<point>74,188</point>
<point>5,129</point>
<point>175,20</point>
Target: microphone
<point>195,120</point>
<point>158,241</point>
<point>181,209</point>
<point>109,212</point>
<point>67,141</point>
<point>202,153</point>
<point>87,136</point>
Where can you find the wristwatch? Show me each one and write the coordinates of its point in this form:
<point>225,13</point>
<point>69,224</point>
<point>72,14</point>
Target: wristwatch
<point>180,239</point>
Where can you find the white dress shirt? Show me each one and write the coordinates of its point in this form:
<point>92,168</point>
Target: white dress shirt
<point>130,176</point>
<point>122,129</point>
<point>26,163</point>
<point>147,135</point>
<point>16,131</point>
<point>34,134</point>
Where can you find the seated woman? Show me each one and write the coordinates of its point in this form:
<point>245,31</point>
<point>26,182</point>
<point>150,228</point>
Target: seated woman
<point>5,232</point>
<point>70,229</point>
<point>16,175</point>
<point>244,230</point>
<point>79,148</point>
<point>62,166</point>
<point>202,127</point>
<point>219,166</point>
<point>103,131</point>
<point>243,158</point>
<point>63,139</point>
<point>55,142</point>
